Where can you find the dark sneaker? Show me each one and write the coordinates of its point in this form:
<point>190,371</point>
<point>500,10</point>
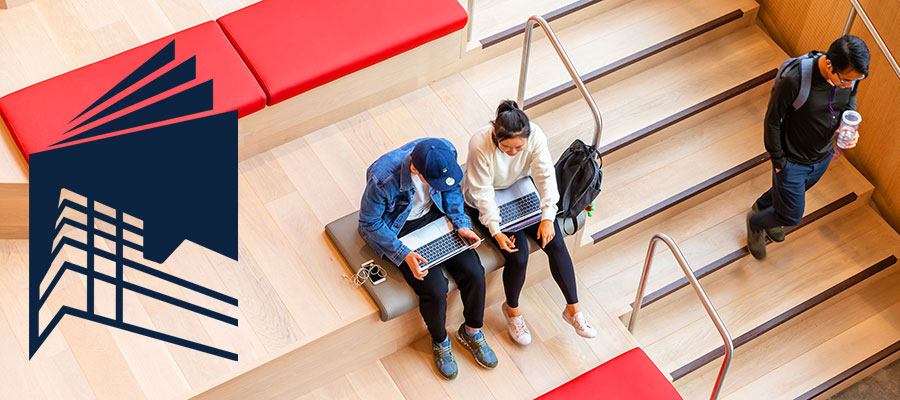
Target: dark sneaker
<point>776,233</point>
<point>483,354</point>
<point>443,359</point>
<point>756,242</point>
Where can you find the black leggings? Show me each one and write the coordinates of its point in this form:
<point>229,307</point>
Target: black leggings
<point>466,270</point>
<point>561,267</point>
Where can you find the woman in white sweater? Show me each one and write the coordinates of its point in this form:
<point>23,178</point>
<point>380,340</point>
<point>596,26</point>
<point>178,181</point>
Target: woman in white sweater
<point>513,148</point>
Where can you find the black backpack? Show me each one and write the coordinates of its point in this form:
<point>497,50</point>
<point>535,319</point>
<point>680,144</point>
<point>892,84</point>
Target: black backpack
<point>578,179</point>
<point>806,63</point>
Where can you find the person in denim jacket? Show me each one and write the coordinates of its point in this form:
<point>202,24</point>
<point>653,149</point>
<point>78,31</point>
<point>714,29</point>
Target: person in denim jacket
<point>406,189</point>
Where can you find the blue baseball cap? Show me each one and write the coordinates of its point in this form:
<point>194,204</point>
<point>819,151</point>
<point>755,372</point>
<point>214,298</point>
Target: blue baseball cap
<point>435,159</point>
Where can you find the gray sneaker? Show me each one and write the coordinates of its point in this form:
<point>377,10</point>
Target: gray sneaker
<point>443,359</point>
<point>756,241</point>
<point>479,348</point>
<point>776,233</point>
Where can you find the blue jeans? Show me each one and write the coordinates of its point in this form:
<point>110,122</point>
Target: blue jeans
<point>784,203</point>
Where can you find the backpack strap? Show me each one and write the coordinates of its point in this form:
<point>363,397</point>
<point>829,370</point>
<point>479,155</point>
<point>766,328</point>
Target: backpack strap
<point>806,66</point>
<point>783,67</point>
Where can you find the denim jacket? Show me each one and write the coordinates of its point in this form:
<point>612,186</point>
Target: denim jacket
<point>387,201</point>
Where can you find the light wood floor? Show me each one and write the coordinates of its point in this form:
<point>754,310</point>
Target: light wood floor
<point>289,278</point>
<point>555,355</point>
<point>494,16</point>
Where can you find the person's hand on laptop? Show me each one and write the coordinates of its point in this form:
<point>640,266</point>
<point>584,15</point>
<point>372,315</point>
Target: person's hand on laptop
<point>506,243</point>
<point>413,260</point>
<point>467,234</point>
<point>545,232</point>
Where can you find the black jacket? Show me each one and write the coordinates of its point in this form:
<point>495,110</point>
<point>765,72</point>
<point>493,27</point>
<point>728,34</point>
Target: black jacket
<point>804,136</point>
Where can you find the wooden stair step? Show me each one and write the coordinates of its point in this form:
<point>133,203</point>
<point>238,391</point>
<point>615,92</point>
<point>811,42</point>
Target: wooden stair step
<point>684,161</point>
<point>788,315</point>
<point>657,49</point>
<point>688,118</point>
<point>706,233</point>
<point>631,104</point>
<point>742,252</point>
<point>799,336</point>
<point>731,176</point>
<point>798,377</point>
<point>684,143</point>
<point>498,21</point>
<point>827,360</point>
<point>599,41</point>
<point>842,177</point>
<point>748,275</point>
<point>749,293</point>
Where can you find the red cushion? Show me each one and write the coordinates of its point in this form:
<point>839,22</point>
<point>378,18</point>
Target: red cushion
<point>38,115</point>
<point>630,376</point>
<point>293,45</point>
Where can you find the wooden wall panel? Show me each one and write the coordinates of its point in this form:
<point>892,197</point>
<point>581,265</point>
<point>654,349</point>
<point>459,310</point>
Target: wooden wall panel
<point>802,25</point>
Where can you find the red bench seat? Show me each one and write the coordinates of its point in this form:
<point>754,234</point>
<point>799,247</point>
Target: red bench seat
<point>630,376</point>
<point>293,46</point>
<point>40,114</point>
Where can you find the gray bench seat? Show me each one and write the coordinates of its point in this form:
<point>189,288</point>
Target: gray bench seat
<point>393,296</point>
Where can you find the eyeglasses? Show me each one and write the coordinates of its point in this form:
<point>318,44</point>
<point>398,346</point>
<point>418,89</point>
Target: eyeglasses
<point>850,81</point>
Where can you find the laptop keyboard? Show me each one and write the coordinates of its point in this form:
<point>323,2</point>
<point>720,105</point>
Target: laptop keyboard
<point>441,246</point>
<point>518,208</point>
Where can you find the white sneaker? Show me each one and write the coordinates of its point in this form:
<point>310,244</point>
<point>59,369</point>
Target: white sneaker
<point>518,331</point>
<point>582,327</point>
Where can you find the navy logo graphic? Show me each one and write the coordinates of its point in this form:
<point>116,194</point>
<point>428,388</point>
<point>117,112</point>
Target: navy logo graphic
<point>107,208</point>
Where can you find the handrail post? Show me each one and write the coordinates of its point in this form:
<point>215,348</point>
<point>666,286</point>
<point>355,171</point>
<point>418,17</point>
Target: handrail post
<point>579,83</point>
<point>849,23</point>
<point>523,69</point>
<point>471,24</point>
<point>707,304</point>
<point>632,322</point>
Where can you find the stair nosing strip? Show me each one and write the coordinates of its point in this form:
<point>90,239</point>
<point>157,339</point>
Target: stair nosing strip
<point>634,58</point>
<point>786,316</point>
<point>682,115</point>
<point>743,252</point>
<point>550,16</point>
<point>680,197</point>
<point>850,372</point>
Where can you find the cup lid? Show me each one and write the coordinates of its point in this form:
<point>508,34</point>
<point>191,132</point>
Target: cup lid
<point>851,117</point>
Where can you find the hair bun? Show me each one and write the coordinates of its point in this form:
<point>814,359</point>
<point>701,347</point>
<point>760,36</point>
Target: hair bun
<point>507,105</point>
<point>510,122</point>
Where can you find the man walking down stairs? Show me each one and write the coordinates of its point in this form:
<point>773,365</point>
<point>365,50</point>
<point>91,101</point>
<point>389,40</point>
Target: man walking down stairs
<point>811,93</point>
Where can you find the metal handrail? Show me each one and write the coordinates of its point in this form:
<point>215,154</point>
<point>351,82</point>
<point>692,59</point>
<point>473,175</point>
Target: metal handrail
<point>857,9</point>
<point>689,274</point>
<point>471,24</point>
<point>526,51</point>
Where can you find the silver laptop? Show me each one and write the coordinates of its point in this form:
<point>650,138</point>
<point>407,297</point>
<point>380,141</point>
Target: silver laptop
<point>520,205</point>
<point>437,242</point>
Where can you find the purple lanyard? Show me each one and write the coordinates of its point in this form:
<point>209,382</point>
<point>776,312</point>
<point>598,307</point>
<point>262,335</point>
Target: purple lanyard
<point>830,106</point>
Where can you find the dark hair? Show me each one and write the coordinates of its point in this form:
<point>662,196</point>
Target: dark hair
<point>849,51</point>
<point>511,122</point>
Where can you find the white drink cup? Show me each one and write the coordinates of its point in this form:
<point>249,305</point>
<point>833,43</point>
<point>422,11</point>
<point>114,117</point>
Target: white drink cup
<point>848,129</point>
